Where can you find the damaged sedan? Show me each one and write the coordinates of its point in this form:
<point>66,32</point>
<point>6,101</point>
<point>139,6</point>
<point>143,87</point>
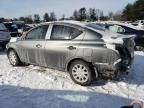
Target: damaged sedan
<point>83,50</point>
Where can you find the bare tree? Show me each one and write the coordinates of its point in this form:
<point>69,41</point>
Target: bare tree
<point>52,16</point>
<point>98,14</point>
<point>82,14</point>
<point>46,17</point>
<point>36,18</point>
<point>92,14</point>
<point>63,17</point>
<point>76,15</point>
<point>110,14</point>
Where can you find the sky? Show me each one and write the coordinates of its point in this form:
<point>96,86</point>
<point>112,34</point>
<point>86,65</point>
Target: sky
<point>17,8</point>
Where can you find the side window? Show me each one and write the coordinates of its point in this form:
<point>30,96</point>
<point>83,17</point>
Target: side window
<point>116,28</point>
<point>61,32</point>
<point>37,33</point>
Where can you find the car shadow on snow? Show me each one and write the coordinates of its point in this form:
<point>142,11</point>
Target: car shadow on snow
<point>22,97</point>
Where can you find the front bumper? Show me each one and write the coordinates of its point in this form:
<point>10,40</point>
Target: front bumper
<point>4,42</point>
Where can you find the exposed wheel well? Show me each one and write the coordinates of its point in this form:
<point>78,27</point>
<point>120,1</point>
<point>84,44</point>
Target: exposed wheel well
<point>90,64</point>
<point>10,50</point>
<point>68,66</point>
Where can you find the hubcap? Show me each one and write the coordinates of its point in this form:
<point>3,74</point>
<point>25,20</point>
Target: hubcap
<point>12,57</point>
<point>80,73</point>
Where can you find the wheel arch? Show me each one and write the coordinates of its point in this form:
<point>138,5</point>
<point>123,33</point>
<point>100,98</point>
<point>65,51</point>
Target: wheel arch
<point>94,70</point>
<point>74,59</point>
<point>9,49</point>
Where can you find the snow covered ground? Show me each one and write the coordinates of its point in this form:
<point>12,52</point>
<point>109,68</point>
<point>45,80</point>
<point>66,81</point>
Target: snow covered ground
<point>37,87</point>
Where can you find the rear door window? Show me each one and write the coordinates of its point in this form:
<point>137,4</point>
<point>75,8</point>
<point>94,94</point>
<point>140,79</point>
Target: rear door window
<point>38,33</point>
<point>61,32</point>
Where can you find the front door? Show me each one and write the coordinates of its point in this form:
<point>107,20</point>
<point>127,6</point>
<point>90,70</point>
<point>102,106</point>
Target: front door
<point>32,47</point>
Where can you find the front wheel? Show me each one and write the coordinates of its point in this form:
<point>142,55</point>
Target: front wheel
<point>81,73</point>
<point>13,58</point>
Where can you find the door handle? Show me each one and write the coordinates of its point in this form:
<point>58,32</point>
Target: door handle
<point>71,48</point>
<point>38,46</point>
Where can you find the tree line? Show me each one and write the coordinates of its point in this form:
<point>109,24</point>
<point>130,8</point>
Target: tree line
<point>134,11</point>
<point>131,12</point>
<point>81,14</point>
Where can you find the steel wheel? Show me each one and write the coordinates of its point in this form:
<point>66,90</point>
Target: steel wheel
<point>13,58</point>
<point>80,73</point>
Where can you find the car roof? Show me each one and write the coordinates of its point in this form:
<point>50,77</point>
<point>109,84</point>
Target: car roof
<point>76,23</point>
<point>126,25</point>
<point>82,24</point>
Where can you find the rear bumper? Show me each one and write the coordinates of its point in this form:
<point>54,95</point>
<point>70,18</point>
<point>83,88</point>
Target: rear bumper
<point>107,70</point>
<point>119,65</point>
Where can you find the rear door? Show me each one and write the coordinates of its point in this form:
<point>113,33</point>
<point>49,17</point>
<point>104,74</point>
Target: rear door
<point>63,43</point>
<point>32,47</point>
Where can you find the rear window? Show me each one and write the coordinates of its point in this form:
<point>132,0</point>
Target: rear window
<point>95,26</point>
<point>2,26</point>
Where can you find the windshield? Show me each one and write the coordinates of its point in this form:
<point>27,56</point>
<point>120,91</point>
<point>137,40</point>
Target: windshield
<point>97,27</point>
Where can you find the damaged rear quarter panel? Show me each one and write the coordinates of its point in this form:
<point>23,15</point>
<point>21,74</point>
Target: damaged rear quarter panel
<point>104,55</point>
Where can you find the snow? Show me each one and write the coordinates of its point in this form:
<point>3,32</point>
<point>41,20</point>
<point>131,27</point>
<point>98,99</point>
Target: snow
<point>13,39</point>
<point>38,87</point>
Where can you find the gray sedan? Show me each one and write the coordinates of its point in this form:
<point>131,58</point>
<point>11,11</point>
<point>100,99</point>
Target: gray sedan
<point>85,51</point>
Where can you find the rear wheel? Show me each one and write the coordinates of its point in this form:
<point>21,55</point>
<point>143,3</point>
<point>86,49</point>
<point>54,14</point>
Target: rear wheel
<point>13,58</point>
<point>81,73</point>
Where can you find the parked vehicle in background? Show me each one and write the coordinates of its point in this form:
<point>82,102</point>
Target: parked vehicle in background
<point>138,23</point>
<point>127,29</point>
<point>14,27</point>
<point>4,36</point>
<point>81,49</point>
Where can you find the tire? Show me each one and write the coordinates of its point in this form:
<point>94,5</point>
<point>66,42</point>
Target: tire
<point>80,73</point>
<point>13,58</point>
